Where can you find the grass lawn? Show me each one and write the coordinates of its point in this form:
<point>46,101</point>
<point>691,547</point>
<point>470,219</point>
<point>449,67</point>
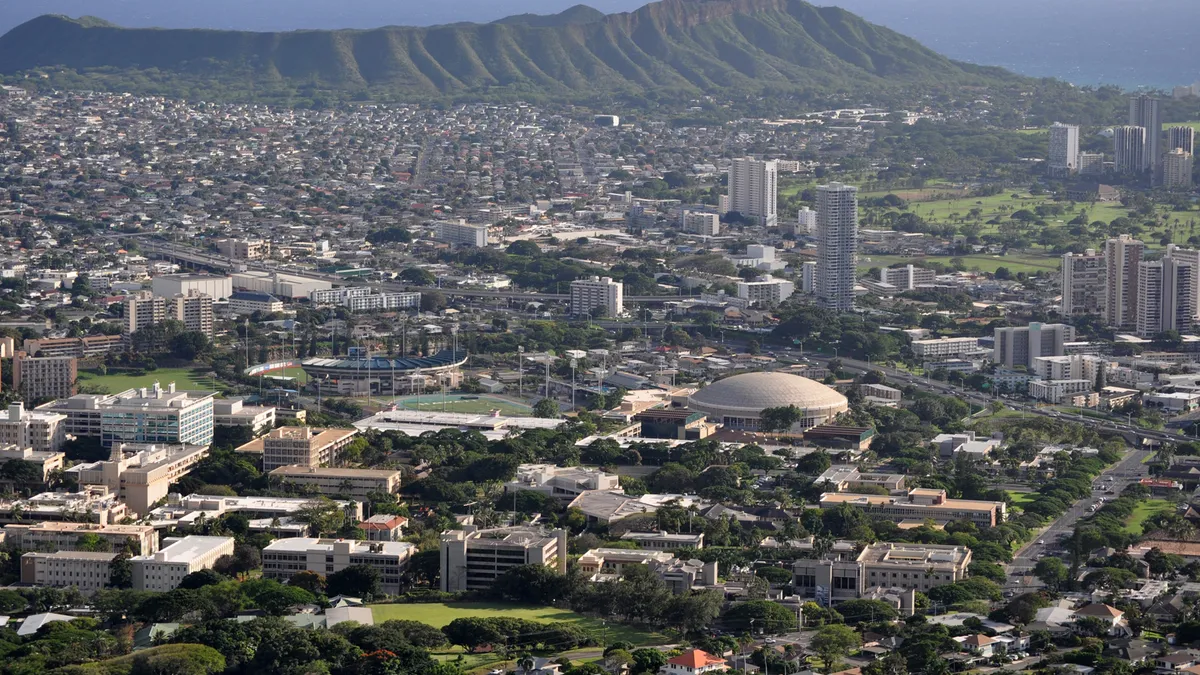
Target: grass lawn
<point>1144,511</point>
<point>297,373</point>
<point>1028,263</point>
<point>440,614</point>
<point>1020,499</point>
<point>184,378</point>
<point>454,403</point>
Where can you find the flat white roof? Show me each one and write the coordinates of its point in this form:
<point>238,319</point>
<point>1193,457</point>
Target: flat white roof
<point>303,544</point>
<point>187,549</point>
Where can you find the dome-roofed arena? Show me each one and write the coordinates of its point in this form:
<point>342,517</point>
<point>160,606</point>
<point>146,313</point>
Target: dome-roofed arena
<point>738,401</point>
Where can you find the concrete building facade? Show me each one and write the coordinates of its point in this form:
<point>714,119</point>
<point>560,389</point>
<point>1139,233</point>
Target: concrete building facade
<point>1064,149</point>
<point>40,377</point>
<point>472,559</point>
<point>1019,346</point>
<point>347,482</point>
<point>146,415</point>
<point>86,570</point>
<point>285,557</point>
<point>753,189</point>
<point>837,245</point>
<point>303,446</point>
<point>1083,283</point>
<point>162,570</point>
<point>1122,256</point>
<point>597,292</point>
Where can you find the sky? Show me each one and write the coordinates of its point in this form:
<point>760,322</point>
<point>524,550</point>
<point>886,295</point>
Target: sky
<point>1132,43</point>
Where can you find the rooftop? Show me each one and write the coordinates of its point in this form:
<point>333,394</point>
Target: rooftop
<point>186,549</point>
<point>304,544</point>
<point>301,470</point>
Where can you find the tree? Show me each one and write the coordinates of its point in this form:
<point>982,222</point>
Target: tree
<point>866,611</point>
<point>360,581</point>
<point>432,301</point>
<point>892,664</point>
<point>245,558</point>
<point>546,409</point>
<point>201,578</point>
<point>781,418</point>
<point>310,581</point>
<point>524,247</point>
<point>189,345</point>
<point>763,615</point>
<point>833,642</point>
<point>418,277</point>
<point>1051,571</point>
<point>646,660</point>
<point>324,516</point>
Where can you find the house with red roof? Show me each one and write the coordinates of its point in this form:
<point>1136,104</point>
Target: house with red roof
<point>1111,617</point>
<point>694,662</point>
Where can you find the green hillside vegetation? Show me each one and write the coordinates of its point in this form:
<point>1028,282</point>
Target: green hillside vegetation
<point>181,659</point>
<point>682,46</point>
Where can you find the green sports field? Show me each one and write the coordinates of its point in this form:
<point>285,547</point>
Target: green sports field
<point>440,614</point>
<point>463,403</point>
<point>184,378</point>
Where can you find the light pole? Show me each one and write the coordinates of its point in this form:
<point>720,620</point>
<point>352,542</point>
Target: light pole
<point>574,364</point>
<point>521,372</point>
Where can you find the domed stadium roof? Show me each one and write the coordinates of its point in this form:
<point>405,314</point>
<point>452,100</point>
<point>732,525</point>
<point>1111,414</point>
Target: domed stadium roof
<point>758,391</point>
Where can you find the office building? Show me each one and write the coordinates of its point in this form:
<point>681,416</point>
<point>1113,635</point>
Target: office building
<point>50,536</point>
<point>233,412</point>
<point>357,483</point>
<point>1121,257</point>
<point>1064,149</point>
<point>1181,138</point>
<point>472,559</point>
<point>88,571</point>
<point>808,276</point>
<point>285,557</point>
<point>80,348</point>
<point>1177,170</point>
<point>597,295</point>
<point>301,446</point>
<point>141,474</point>
<point>183,512</point>
<point>1020,346</point>
<point>92,504</point>
<point>665,541</point>
<point>765,291</point>
<point>143,309</point>
<point>461,233</point>
<point>753,186</point>
<point>559,482</point>
<point>244,249</point>
<point>1070,367</point>
<point>337,296</point>
<point>146,415</point>
<point>162,570</point>
<point>837,245</point>
<point>698,222</point>
<point>42,377</point>
<point>171,285</point>
<point>919,505</point>
<point>1083,283</point>
<point>806,222</point>
<point>906,278</point>
<point>1188,256</point>
<point>384,527</point>
<point>943,348</point>
<point>37,430</point>
<point>841,575</point>
<point>193,309</point>
<point>1145,112</point>
<point>1129,150</point>
<point>249,302</point>
<point>1091,163</point>
<point>1165,296</point>
<point>609,564</point>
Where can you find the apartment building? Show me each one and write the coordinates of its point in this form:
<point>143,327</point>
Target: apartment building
<point>753,189</point>
<point>40,377</point>
<point>842,575</point>
<point>472,559</point>
<point>301,446</point>
<point>378,301</point>
<point>141,473</point>
<point>285,557</point>
<point>1064,149</point>
<point>806,222</point>
<point>919,505</point>
<point>193,309</point>
<point>143,309</point>
<point>906,278</point>
<point>1083,283</point>
<point>163,570</point>
<point>1166,299</point>
<point>345,482</point>
<point>837,245</point>
<point>37,430</point>
<point>65,536</point>
<point>589,295</point>
<point>1122,255</point>
<point>233,412</point>
<point>1145,112</point>
<point>145,415</point>
<point>699,222</point>
<point>944,348</point>
<point>1019,346</point>
<point>461,233</point>
<point>564,483</point>
<point>1181,138</point>
<point>249,302</point>
<point>1177,170</point>
<point>88,571</point>
<point>337,296</point>
<point>1130,154</point>
<point>244,249</point>
<point>80,348</point>
<point>765,291</point>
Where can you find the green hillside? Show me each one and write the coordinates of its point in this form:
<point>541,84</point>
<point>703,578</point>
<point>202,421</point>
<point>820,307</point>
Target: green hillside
<point>699,46</point>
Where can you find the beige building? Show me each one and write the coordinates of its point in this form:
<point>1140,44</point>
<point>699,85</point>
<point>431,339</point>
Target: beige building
<point>1122,256</point>
<point>37,430</point>
<point>141,473</point>
<point>919,505</point>
<point>285,557</point>
<point>44,462</point>
<point>597,292</point>
<point>384,527</point>
<point>146,415</point>
<point>472,559</point>
<point>1083,283</point>
<point>1177,169</point>
<point>344,482</point>
<point>49,537</point>
<point>92,504</point>
<point>163,570</point>
<point>82,347</point>
<point>44,377</point>
<point>194,310</point>
<point>843,575</point>
<point>564,483</point>
<point>232,412</point>
<point>244,249</point>
<point>302,446</point>
<point>85,570</point>
<point>143,309</point>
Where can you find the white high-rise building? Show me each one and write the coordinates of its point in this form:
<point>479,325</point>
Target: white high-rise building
<point>462,233</point>
<point>1122,257</point>
<point>753,187</point>
<point>699,222</point>
<point>1165,300</point>
<point>1177,169</point>
<point>906,278</point>
<point>808,277</point>
<point>1129,149</point>
<point>1083,279</point>
<point>588,294</point>
<point>1144,111</point>
<point>1064,149</point>
<point>1189,256</point>
<point>1183,138</point>
<point>837,245</point>
<point>1020,346</point>
<point>806,221</point>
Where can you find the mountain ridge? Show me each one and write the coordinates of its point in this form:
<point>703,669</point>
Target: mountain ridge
<point>700,46</point>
